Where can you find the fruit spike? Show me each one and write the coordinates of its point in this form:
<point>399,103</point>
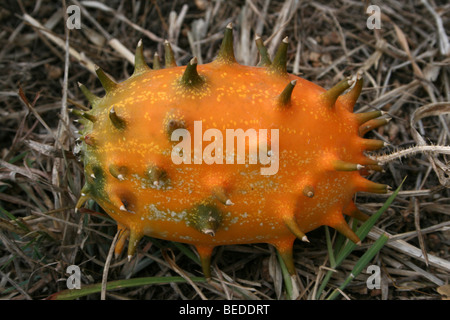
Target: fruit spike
<point>92,98</point>
<point>331,95</point>
<point>366,116</point>
<point>220,194</point>
<point>349,99</point>
<point>279,63</point>
<point>134,239</point>
<point>284,99</point>
<point>107,82</point>
<point>343,228</point>
<point>292,225</point>
<point>352,211</point>
<point>125,202</point>
<point>117,121</point>
<point>318,152</point>
<point>308,191</point>
<point>124,234</point>
<point>140,66</point>
<point>205,218</point>
<point>285,249</point>
<point>118,172</point>
<point>156,62</point>
<point>190,77</point>
<point>169,57</point>
<point>373,144</point>
<point>372,124</point>
<point>83,198</point>
<point>205,253</point>
<point>340,165</point>
<point>226,51</point>
<point>83,114</point>
<point>369,186</point>
<point>264,55</point>
<point>157,176</point>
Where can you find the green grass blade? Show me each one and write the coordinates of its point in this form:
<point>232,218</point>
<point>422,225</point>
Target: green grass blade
<point>286,277</point>
<point>19,157</point>
<point>71,294</point>
<point>362,232</point>
<point>327,277</point>
<point>330,247</point>
<point>187,252</point>
<point>20,224</point>
<point>361,264</point>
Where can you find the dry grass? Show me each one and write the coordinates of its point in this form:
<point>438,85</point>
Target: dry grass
<point>405,66</point>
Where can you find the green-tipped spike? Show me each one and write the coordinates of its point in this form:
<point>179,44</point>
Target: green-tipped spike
<point>190,77</point>
<point>206,218</point>
<point>340,165</point>
<point>288,259</point>
<point>284,99</point>
<point>372,124</point>
<point>352,211</point>
<point>118,172</point>
<point>205,253</point>
<point>156,62</point>
<point>279,63</point>
<point>373,144</point>
<point>308,191</point>
<point>372,187</point>
<point>107,82</point>
<point>226,51</point>
<point>92,98</point>
<point>366,116</point>
<point>117,121</point>
<point>331,95</point>
<point>157,176</point>
<point>126,203</point>
<point>140,65</point>
<point>264,55</point>
<point>349,99</point>
<point>123,208</point>
<point>344,228</point>
<point>169,57</point>
<point>135,237</point>
<point>120,244</point>
<point>76,112</point>
<point>83,114</point>
<point>220,194</point>
<point>292,225</point>
<point>285,250</point>
<point>89,116</point>
<point>81,201</point>
<point>83,198</point>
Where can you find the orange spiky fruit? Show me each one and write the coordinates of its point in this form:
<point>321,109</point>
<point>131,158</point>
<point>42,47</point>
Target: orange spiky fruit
<point>223,153</point>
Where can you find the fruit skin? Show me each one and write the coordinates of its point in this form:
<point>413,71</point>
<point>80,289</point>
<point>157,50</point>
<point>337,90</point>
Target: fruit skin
<point>126,148</point>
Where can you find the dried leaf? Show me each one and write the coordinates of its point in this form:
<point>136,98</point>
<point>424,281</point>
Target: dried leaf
<point>444,291</point>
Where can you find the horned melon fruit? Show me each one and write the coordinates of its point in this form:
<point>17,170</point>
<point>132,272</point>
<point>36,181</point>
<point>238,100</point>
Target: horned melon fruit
<point>223,153</point>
